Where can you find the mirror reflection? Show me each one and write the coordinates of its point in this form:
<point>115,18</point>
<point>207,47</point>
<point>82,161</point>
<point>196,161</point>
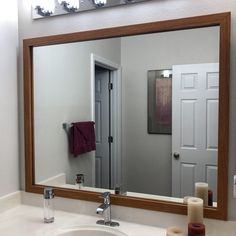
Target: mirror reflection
<point>155,132</point>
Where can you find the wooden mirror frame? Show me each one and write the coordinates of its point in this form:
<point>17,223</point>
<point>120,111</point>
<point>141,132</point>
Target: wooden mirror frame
<point>223,21</point>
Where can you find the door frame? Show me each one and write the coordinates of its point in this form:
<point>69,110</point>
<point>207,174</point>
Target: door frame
<point>116,115</point>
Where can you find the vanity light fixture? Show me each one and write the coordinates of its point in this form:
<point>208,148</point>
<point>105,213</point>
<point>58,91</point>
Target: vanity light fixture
<point>44,7</point>
<point>69,5</point>
<point>100,3</point>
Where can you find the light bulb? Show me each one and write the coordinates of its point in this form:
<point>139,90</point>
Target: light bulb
<point>69,5</point>
<point>35,3</point>
<point>100,2</point>
<point>45,6</point>
<point>73,3</point>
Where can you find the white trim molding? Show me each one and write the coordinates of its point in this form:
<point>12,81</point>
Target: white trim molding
<point>9,201</point>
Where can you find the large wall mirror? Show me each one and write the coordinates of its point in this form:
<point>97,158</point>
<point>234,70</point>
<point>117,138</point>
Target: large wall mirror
<point>152,100</point>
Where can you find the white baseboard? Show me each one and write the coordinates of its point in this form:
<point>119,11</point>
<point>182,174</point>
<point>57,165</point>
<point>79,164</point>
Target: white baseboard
<point>9,201</point>
<point>57,180</point>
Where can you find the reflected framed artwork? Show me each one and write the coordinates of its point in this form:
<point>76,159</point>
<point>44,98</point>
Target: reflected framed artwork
<point>159,101</point>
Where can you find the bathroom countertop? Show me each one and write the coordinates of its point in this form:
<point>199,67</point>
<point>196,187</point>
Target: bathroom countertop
<point>21,214</point>
<point>26,220</point>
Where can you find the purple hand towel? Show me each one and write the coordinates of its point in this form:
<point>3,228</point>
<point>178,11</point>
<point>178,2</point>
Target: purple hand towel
<point>82,138</point>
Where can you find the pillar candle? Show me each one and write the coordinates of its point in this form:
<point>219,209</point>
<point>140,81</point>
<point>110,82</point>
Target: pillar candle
<point>210,198</point>
<point>201,191</point>
<point>195,210</point>
<point>185,199</point>
<point>196,229</point>
<point>174,231</point>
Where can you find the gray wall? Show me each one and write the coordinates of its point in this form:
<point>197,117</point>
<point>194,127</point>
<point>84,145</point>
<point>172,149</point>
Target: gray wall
<point>139,13</point>
<point>9,155</point>
<point>147,157</point>
<point>63,95</point>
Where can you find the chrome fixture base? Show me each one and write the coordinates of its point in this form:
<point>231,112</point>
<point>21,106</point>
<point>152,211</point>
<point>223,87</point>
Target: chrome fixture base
<point>109,223</point>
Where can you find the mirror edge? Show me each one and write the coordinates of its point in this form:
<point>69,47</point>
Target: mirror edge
<point>220,19</point>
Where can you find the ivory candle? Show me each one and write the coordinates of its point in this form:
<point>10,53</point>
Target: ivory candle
<point>201,191</point>
<point>195,210</point>
<point>185,200</point>
<point>174,231</point>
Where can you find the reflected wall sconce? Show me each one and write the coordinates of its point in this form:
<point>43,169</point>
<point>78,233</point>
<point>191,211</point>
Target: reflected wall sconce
<point>48,8</point>
<point>166,74</point>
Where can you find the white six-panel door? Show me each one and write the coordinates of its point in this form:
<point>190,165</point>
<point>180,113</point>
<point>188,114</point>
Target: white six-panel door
<point>194,127</point>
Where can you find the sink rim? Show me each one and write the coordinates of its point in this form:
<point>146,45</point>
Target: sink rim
<point>100,228</point>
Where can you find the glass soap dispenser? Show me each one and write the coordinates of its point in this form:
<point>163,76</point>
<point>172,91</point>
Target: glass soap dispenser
<point>48,205</point>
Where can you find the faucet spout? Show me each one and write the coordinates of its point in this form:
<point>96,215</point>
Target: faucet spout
<point>105,210</point>
<point>102,208</point>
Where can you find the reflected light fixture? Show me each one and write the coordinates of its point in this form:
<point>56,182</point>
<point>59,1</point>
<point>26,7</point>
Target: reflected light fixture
<point>100,3</point>
<point>69,5</point>
<point>44,7</point>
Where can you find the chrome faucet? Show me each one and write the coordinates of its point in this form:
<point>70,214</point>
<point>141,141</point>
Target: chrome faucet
<point>105,209</point>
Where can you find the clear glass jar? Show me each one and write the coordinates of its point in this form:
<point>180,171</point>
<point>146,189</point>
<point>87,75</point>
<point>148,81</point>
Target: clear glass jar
<point>48,205</point>
<point>79,180</point>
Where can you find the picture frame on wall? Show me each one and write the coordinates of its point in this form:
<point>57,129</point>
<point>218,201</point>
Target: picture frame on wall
<point>159,101</point>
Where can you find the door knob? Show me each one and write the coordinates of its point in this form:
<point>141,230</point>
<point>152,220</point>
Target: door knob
<point>176,155</point>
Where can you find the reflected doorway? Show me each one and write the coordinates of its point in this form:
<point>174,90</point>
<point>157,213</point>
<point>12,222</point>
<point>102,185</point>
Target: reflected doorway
<point>106,83</point>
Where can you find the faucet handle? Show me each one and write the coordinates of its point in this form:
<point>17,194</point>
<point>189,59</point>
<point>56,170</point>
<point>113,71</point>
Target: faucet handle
<point>106,196</point>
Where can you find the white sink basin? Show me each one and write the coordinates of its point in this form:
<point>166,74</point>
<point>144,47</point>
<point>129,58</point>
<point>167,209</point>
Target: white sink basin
<point>91,231</point>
